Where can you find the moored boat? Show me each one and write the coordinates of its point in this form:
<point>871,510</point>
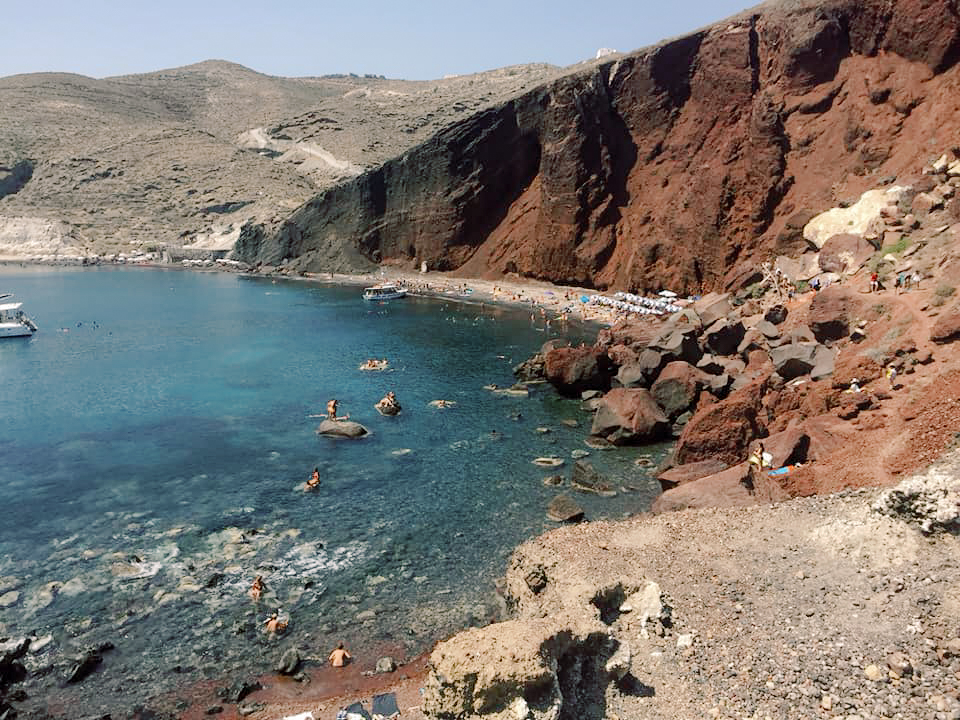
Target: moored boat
<point>13,321</point>
<point>384,291</point>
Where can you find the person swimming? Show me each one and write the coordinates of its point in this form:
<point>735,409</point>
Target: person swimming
<point>388,404</point>
<point>314,480</point>
<point>256,590</point>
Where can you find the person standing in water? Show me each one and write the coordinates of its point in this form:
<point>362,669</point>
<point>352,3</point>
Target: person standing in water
<point>339,657</point>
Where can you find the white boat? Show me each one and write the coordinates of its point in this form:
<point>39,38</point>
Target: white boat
<point>13,321</point>
<point>384,291</point>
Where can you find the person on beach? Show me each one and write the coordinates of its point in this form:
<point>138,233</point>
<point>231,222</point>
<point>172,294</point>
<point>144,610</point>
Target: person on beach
<point>256,590</point>
<point>314,480</point>
<point>874,282</point>
<point>339,657</point>
<point>892,376</point>
<point>915,280</point>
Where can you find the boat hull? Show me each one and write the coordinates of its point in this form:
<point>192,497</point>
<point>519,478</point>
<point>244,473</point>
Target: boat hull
<point>15,330</point>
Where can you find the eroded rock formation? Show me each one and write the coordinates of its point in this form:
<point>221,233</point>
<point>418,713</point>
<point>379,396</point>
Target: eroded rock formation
<point>682,162</point>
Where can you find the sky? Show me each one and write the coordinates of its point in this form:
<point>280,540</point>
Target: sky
<point>409,39</point>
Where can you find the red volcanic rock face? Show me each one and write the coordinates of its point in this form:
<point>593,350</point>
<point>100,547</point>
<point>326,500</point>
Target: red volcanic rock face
<point>681,166</point>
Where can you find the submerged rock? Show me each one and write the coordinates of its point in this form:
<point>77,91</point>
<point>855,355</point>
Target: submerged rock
<point>341,428</point>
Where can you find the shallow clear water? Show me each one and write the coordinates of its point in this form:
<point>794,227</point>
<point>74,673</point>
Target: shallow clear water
<point>156,431</point>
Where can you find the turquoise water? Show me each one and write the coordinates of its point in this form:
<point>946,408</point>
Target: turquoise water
<point>156,431</point>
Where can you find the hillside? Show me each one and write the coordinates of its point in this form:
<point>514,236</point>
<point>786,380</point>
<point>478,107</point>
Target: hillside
<point>689,161</point>
<point>186,156</point>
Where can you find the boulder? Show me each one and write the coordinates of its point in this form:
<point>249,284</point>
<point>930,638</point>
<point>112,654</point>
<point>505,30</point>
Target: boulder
<point>530,369</point>
<point>722,431</point>
<point>775,314</point>
<point>831,313</point>
<point>575,369</point>
<point>728,488</point>
<point>341,428</point>
<point>629,415</point>
<point>788,447</point>
<point>823,363</point>
<point>585,478</point>
<point>925,203</point>
<point>790,241</point>
<point>621,355</point>
<point>767,329</point>
<point>632,375</point>
<point>947,326</point>
<point>712,307</point>
<point>845,254</point>
<point>678,345</point>
<point>385,665</point>
<point>677,387</point>
<point>563,509</point>
<point>710,365</point>
<point>753,339</point>
<point>688,473</point>
<point>855,219</point>
<point>724,336</point>
<point>792,361</point>
<point>289,662</point>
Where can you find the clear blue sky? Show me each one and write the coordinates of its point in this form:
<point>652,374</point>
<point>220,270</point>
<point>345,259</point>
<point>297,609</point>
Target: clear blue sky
<point>412,39</point>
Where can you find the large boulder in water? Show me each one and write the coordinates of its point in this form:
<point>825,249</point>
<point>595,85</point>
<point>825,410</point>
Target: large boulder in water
<point>575,369</point>
<point>341,428</point>
<point>629,415</point>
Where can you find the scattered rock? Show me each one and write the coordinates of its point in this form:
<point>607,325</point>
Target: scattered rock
<point>585,478</point>
<point>289,662</point>
<point>341,428</point>
<point>563,509</point>
<point>629,415</point>
<point>385,665</point>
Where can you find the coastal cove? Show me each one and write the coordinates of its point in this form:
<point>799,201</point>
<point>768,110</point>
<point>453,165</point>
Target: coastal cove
<point>156,435</point>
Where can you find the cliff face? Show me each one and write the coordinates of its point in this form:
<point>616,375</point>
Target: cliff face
<point>680,165</point>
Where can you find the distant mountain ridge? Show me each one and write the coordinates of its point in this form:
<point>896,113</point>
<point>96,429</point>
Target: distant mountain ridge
<point>174,158</point>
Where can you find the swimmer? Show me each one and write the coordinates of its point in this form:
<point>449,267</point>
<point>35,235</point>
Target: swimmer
<point>275,625</point>
<point>339,657</point>
<point>256,590</point>
<point>314,480</point>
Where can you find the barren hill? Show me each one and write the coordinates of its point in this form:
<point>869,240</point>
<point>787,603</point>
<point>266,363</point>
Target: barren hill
<point>186,156</point>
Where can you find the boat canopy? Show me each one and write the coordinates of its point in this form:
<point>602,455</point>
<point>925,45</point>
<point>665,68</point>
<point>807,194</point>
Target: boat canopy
<point>10,306</point>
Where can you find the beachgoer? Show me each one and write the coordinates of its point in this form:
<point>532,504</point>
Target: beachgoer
<point>388,404</point>
<point>901,276</point>
<point>854,386</point>
<point>892,376</point>
<point>275,625</point>
<point>332,406</point>
<point>339,657</point>
<point>874,282</point>
<point>256,590</point>
<point>314,480</point>
<point>916,279</point>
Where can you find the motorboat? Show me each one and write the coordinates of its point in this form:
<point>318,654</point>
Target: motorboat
<point>384,291</point>
<point>13,321</point>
